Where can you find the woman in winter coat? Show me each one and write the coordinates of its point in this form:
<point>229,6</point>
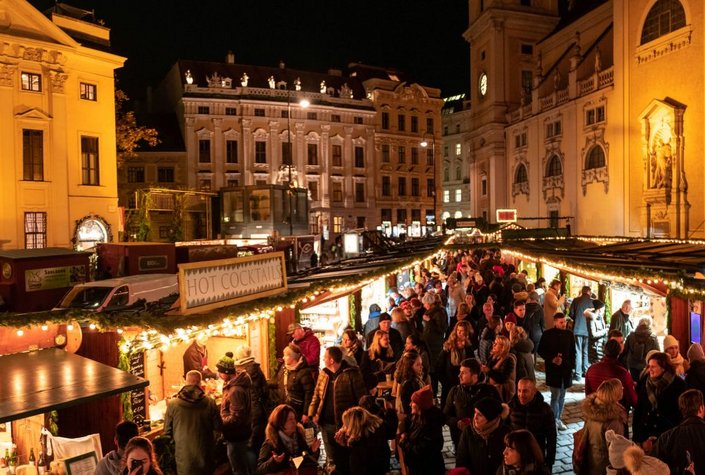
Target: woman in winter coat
<point>379,358</point>
<point>415,343</point>
<point>489,333</point>
<point>293,383</point>
<point>366,436</point>
<point>522,349</point>
<point>602,412</point>
<point>638,344</point>
<point>455,292</point>
<point>672,348</point>
<point>422,439</point>
<point>501,368</point>
<point>522,455</point>
<point>401,323</point>
<point>455,350</point>
<point>481,444</point>
<point>658,390</point>
<point>284,441</point>
<point>462,314</point>
<point>695,376</point>
<point>408,379</point>
<point>597,330</point>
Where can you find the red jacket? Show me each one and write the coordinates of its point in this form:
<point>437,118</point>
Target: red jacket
<point>608,368</point>
<point>311,348</point>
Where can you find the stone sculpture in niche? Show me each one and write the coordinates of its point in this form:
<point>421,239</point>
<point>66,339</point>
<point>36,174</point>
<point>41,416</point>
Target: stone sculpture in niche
<point>661,158</point>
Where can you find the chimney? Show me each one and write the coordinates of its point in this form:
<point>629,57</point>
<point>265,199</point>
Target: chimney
<point>230,57</point>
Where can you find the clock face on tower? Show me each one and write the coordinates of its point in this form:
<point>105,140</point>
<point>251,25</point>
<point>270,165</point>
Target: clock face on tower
<point>483,84</point>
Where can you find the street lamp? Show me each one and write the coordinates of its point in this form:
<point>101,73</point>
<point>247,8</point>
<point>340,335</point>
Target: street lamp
<point>303,103</point>
<point>431,160</point>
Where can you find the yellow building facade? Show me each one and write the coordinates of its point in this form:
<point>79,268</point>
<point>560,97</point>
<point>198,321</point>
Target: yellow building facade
<point>58,185</point>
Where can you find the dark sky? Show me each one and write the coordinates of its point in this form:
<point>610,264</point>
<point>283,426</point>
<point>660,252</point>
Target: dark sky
<point>420,37</point>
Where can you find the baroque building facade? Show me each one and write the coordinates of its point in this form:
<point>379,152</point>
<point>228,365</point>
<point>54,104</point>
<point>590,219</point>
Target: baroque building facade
<point>455,178</point>
<point>594,113</point>
<point>353,140</point>
<point>58,187</point>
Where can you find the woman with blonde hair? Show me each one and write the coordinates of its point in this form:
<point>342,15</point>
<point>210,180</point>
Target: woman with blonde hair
<point>501,368</point>
<point>379,358</point>
<point>366,437</point>
<point>602,412</point>
<point>457,348</point>
<point>285,440</point>
<point>401,323</point>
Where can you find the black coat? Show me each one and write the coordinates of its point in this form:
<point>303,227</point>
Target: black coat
<point>259,394</point>
<point>298,390</point>
<point>533,322</point>
<point>423,444</point>
<point>370,455</point>
<point>620,321</point>
<point>536,417</point>
<point>523,351</point>
<point>480,456</point>
<point>637,345</point>
<point>673,445</point>
<point>556,341</point>
<point>433,332</point>
<point>653,421</point>
<point>695,376</point>
<point>460,404</point>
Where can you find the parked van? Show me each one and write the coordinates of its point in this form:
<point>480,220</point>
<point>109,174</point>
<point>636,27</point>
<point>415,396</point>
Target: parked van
<point>120,292</point>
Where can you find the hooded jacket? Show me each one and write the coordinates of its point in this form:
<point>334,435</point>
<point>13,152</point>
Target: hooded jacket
<point>191,421</point>
<point>536,417</point>
<point>110,464</point>
<point>599,418</point>
<point>236,408</point>
<point>310,348</point>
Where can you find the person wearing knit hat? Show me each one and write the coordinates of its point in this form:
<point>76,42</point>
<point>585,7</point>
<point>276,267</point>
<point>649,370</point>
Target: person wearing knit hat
<point>226,364</point>
<point>597,330</point>
<point>695,376</point>
<point>422,439</point>
<point>481,445</point>
<point>672,349</point>
<point>236,413</point>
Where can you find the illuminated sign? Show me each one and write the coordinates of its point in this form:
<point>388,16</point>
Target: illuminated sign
<point>53,277</point>
<point>214,284</point>
<point>506,215</point>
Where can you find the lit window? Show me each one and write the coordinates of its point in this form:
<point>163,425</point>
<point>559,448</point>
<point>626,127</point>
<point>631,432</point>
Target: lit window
<point>458,149</point>
<point>458,196</point>
<point>90,171</point>
<point>446,196</point>
<point>35,230</point>
<point>337,224</point>
<point>31,82</point>
<point>88,92</point>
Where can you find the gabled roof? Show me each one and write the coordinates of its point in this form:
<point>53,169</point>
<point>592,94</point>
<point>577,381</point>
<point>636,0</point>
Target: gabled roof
<point>23,20</point>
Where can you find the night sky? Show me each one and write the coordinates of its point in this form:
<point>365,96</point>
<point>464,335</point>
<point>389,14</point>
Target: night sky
<point>422,38</point>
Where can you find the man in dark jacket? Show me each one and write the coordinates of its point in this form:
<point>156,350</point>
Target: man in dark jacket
<point>259,395</point>
<point>435,324</point>
<point>580,330</point>
<point>191,421</point>
<point>533,320</point>
<point>460,403</point>
<point>530,412</point>
<point>557,348</point>
<point>683,445</point>
<point>339,387</point>
<point>236,413</point>
<point>620,319</point>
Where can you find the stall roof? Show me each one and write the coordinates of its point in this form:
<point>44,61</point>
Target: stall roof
<point>39,253</point>
<point>44,380</point>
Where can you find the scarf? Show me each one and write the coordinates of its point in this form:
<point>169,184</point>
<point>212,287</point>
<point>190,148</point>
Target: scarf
<point>654,387</point>
<point>290,443</point>
<point>457,355</point>
<point>486,430</point>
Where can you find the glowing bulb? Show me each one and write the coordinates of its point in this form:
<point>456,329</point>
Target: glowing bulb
<point>69,327</point>
<point>45,328</point>
<point>92,326</point>
<point>20,332</point>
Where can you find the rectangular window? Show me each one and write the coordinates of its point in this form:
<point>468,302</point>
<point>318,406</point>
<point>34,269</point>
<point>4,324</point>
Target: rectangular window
<point>401,186</point>
<point>230,111</point>
<point>90,170</point>
<point>337,155</point>
<point>458,196</point>
<point>520,140</point>
<point>204,184</point>
<point>402,154</point>
<point>284,114</point>
<point>35,230</point>
<point>429,156</point>
<point>415,187</point>
<point>526,48</point>
<point>414,155</point>
<point>335,118</point>
<point>33,155</point>
<point>595,116</point>
<point>553,218</point>
<point>286,153</point>
<point>312,154</point>
<point>165,174</point>
<point>259,112</point>
<point>232,183</point>
<point>359,192</point>
<point>88,92</point>
<point>414,123</point>
<point>313,190</point>
<point>386,185</point>
<point>401,120</point>
<point>31,82</point>
<point>204,151</point>
<point>415,215</point>
<point>337,224</point>
<point>430,187</point>
<point>526,84</point>
<point>385,120</point>
<point>553,129</point>
<point>312,115</point>
<point>204,110</point>
<point>357,120</point>
<point>401,215</point>
<point>430,216</point>
<point>338,191</point>
<point>135,174</point>
<point>458,149</point>
<point>231,151</point>
<point>429,125</point>
<point>359,157</point>
<point>446,196</point>
<point>483,186</point>
<point>385,153</point>
<point>600,114</point>
<point>386,214</point>
<point>260,152</point>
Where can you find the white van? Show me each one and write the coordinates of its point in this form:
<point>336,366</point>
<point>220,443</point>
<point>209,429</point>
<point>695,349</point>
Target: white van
<point>120,292</point>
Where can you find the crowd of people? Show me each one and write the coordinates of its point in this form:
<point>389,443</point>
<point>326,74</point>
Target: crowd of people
<point>460,347</point>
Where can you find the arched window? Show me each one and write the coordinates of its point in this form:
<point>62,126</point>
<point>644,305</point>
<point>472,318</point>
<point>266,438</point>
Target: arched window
<point>446,174</point>
<point>521,176</point>
<point>458,174</point>
<point>595,158</point>
<point>554,168</point>
<point>664,17</point>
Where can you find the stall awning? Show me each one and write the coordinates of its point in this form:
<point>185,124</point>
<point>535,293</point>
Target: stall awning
<point>41,381</point>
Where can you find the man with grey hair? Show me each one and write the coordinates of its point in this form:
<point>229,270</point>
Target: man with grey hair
<point>435,324</point>
<point>191,420</point>
<point>621,320</point>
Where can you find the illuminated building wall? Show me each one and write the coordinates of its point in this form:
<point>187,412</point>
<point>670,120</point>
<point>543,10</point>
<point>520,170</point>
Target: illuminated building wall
<point>57,127</point>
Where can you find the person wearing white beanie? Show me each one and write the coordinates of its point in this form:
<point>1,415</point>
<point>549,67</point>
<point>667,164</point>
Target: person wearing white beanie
<point>626,455</point>
<point>672,348</point>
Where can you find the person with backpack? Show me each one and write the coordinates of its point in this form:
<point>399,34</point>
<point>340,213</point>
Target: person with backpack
<point>638,344</point>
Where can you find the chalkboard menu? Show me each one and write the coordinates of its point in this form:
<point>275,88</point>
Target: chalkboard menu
<point>137,397</point>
